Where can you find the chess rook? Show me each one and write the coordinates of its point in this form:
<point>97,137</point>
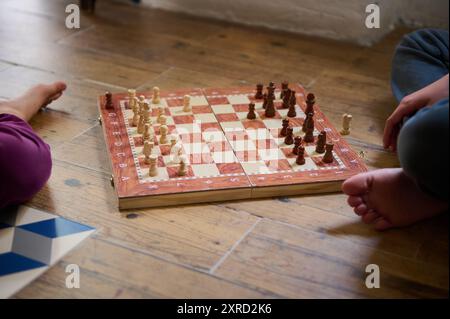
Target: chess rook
<point>321,141</point>
<point>300,160</point>
<point>259,91</point>
<point>285,125</point>
<point>153,169</point>
<point>328,156</point>
<point>297,144</point>
<point>182,168</point>
<point>251,115</point>
<point>284,88</point>
<point>289,139</point>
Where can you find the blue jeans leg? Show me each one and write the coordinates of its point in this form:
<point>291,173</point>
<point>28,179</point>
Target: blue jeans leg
<point>420,59</point>
<point>423,149</point>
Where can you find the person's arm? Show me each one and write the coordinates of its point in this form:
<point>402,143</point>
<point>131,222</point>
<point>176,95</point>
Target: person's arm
<point>410,104</point>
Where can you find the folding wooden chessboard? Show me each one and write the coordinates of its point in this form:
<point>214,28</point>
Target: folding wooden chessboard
<point>228,156</point>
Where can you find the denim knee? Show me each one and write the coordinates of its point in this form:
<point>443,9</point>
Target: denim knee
<point>423,148</point>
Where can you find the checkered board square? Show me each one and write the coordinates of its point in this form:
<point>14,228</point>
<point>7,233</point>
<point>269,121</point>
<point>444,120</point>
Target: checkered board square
<point>31,241</point>
<point>224,150</point>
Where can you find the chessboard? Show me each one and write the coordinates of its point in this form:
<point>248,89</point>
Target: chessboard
<point>201,145</point>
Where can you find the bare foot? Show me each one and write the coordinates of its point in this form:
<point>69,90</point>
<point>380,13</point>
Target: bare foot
<point>389,198</point>
<point>33,100</point>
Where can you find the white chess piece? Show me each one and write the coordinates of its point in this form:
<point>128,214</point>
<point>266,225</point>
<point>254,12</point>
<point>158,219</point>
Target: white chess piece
<point>131,98</point>
<point>163,130</point>
<point>175,153</point>
<point>161,111</point>
<point>155,98</point>
<point>187,103</point>
<point>182,168</point>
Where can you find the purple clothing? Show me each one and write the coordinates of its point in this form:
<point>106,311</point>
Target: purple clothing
<point>25,161</point>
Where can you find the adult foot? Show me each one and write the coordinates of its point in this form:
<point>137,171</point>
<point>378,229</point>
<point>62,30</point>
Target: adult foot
<point>33,100</point>
<point>389,198</point>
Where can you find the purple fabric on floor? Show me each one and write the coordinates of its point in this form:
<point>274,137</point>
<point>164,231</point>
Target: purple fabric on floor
<point>25,161</point>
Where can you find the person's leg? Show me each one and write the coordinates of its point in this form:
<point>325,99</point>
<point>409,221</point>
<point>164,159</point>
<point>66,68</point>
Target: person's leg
<point>421,58</point>
<point>25,159</point>
<point>419,190</point>
<point>403,196</point>
<point>28,104</point>
<point>423,149</point>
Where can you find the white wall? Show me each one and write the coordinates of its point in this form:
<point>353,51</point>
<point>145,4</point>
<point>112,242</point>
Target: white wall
<point>342,20</point>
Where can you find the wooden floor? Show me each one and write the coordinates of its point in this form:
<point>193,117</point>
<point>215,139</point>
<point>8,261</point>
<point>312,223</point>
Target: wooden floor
<point>295,247</point>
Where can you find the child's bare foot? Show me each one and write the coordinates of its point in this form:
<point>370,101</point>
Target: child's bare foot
<point>33,100</point>
<point>389,198</point>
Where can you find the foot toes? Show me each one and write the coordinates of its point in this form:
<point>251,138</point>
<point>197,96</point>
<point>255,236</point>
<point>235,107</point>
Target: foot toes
<point>47,91</point>
<point>358,184</point>
<point>354,201</point>
<point>360,209</point>
<point>370,217</point>
<point>382,224</point>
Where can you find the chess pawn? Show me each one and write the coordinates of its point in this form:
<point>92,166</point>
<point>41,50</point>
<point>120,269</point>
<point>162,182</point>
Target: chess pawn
<point>163,130</point>
<point>346,120</point>
<point>160,114</point>
<point>153,170</point>
<point>289,140</point>
<point>310,101</point>
<point>321,141</point>
<point>285,125</point>
<point>155,98</point>
<point>300,160</point>
<point>182,168</point>
<point>187,103</point>
<point>328,156</point>
<point>259,91</point>
<point>163,120</point>
<point>297,144</point>
<point>146,134</point>
<point>251,115</point>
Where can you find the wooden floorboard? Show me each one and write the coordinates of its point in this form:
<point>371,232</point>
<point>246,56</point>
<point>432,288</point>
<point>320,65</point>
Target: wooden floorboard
<point>310,246</point>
